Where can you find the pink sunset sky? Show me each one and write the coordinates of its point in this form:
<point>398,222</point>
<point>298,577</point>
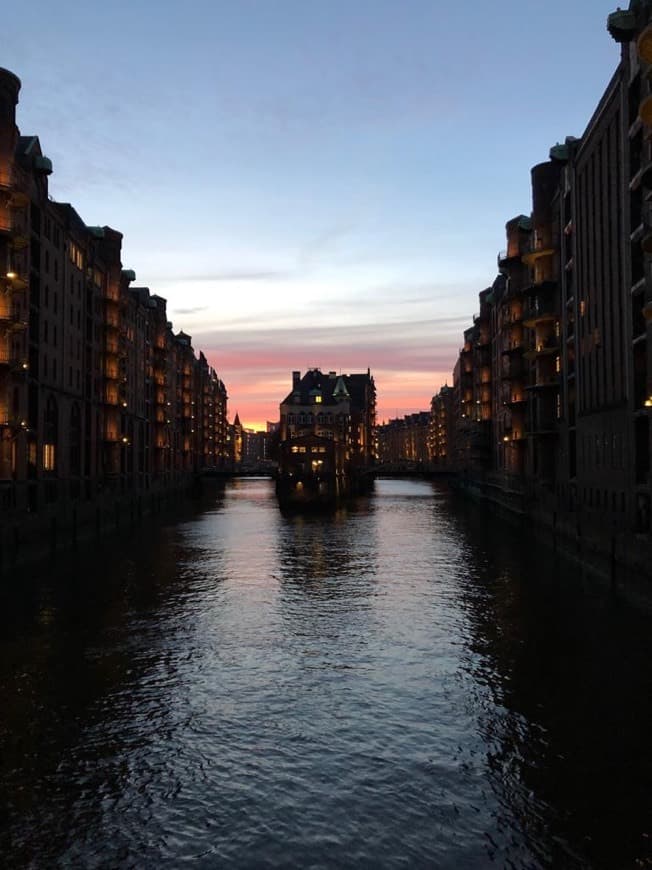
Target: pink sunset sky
<point>405,380</point>
<point>408,358</point>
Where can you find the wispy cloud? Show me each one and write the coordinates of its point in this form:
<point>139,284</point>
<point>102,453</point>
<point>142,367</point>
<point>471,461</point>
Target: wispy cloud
<point>186,311</point>
<point>394,333</point>
<point>236,275</point>
<point>316,248</point>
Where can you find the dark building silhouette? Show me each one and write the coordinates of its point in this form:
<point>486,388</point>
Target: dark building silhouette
<point>99,399</point>
<point>565,329</point>
<point>405,439</point>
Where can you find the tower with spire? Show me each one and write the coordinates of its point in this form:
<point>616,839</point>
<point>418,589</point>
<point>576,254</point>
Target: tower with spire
<point>236,440</point>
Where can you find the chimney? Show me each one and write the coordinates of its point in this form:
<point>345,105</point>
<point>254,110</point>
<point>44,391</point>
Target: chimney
<point>9,88</point>
<point>296,377</point>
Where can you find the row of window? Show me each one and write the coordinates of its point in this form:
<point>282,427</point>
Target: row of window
<point>319,418</point>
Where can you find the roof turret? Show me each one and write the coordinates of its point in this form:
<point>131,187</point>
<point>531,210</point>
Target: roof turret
<point>340,391</point>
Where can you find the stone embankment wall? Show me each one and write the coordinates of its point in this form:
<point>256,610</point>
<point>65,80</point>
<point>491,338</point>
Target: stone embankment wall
<point>610,555</point>
<point>29,538</point>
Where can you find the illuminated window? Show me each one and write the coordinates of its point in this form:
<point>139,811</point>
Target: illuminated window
<point>318,400</point>
<point>48,457</point>
<point>76,255</point>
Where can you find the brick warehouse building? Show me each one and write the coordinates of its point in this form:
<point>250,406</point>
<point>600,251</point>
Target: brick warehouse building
<point>568,321</point>
<point>99,399</point>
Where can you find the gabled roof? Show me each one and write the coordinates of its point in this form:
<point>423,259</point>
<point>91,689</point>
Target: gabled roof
<point>28,146</point>
<point>332,388</point>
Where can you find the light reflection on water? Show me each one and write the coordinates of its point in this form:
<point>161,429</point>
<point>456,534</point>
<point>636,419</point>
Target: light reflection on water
<point>405,683</point>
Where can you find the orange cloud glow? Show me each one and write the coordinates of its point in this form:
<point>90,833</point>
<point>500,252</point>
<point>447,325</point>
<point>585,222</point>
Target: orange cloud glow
<point>259,380</point>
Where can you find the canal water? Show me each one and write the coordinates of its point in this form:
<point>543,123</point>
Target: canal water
<point>408,683</point>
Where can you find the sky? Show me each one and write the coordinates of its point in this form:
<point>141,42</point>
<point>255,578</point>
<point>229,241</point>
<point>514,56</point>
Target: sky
<point>309,183</point>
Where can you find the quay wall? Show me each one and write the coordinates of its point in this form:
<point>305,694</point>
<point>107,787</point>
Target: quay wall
<point>605,553</point>
<point>28,538</point>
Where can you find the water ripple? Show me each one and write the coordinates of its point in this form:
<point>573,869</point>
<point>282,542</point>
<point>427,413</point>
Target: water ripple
<point>398,685</point>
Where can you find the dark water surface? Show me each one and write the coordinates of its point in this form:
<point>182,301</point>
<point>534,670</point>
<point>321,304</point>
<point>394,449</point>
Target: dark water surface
<point>409,683</point>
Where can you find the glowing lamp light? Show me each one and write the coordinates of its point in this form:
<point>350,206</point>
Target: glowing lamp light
<point>11,275</point>
<point>648,402</point>
<point>505,437</point>
<point>125,440</point>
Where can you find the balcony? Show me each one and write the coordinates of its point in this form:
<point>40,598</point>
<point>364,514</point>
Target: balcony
<point>545,382</point>
<point>13,362</point>
<point>17,279</point>
<point>512,369</point>
<point>514,435</point>
<point>537,253</point>
<point>7,187</point>
<point>505,258</point>
<point>512,316</point>
<point>511,347</point>
<point>547,347</point>
<point>645,111</point>
<point>642,177</point>
<point>17,230</point>
<point>539,310</point>
<point>646,241</point>
<point>12,320</point>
